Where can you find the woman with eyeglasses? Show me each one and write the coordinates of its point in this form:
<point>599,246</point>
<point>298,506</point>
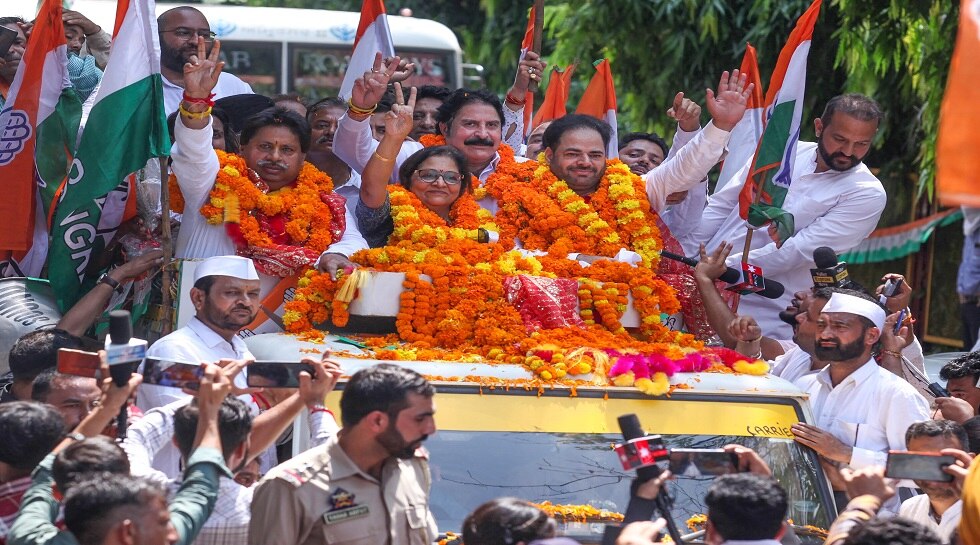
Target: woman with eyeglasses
<point>436,176</point>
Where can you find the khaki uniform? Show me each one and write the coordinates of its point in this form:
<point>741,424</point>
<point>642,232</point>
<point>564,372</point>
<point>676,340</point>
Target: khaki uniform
<point>320,497</point>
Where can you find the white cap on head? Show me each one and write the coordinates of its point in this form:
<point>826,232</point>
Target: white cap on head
<point>226,265</point>
<point>841,302</point>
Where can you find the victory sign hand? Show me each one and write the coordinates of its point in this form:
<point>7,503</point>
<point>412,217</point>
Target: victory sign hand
<point>369,89</point>
<point>399,122</point>
<point>201,72</point>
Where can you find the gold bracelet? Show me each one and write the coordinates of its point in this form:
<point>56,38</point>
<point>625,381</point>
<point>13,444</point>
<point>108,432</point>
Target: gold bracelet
<point>193,115</point>
<point>892,353</point>
<point>382,159</point>
<point>361,111</point>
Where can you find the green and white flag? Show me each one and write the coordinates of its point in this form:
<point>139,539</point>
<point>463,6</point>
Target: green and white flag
<point>772,167</point>
<point>126,127</point>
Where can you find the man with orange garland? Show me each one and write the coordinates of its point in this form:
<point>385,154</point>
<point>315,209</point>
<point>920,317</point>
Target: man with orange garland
<point>277,209</point>
<point>575,150</point>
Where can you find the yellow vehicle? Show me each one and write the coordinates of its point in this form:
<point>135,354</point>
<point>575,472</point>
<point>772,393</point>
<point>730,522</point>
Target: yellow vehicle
<point>499,435</point>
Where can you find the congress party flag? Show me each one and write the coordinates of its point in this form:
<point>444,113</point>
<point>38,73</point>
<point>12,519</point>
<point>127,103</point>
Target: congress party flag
<point>748,131</point>
<point>373,35</point>
<point>599,101</point>
<point>956,157</point>
<point>772,166</point>
<point>126,127</point>
<point>38,127</point>
<point>555,96</point>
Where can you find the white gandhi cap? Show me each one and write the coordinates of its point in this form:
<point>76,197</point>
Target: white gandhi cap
<point>840,302</point>
<point>226,265</point>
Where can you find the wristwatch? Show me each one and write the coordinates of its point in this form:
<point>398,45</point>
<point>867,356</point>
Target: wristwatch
<point>75,436</point>
<point>111,282</point>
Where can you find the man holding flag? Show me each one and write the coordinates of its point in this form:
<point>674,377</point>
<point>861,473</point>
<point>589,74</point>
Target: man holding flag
<point>834,200</point>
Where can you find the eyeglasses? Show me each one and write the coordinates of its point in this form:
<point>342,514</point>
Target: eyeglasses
<point>430,175</point>
<point>184,33</point>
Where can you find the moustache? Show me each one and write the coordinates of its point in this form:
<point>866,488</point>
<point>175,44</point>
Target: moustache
<point>324,139</point>
<point>788,317</point>
<point>478,142</point>
<point>277,164</point>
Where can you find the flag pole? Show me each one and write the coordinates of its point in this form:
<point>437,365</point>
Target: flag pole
<point>536,43</point>
<point>166,241</point>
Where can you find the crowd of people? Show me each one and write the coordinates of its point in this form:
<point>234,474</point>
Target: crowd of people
<point>315,183</point>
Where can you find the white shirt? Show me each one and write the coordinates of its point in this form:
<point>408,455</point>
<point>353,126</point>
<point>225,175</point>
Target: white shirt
<point>195,164</point>
<point>228,85</point>
<point>228,523</point>
<point>355,145</point>
<point>193,343</point>
<point>870,410</point>
<point>793,365</point>
<point>350,191</point>
<point>685,169</point>
<point>918,509</point>
<point>835,209</point>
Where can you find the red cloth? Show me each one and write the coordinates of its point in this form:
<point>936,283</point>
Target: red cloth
<point>544,303</point>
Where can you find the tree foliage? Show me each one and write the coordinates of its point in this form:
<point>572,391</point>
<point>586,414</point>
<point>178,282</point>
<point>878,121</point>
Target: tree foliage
<point>897,51</point>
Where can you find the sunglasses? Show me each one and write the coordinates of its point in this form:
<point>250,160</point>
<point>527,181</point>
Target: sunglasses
<point>430,175</point>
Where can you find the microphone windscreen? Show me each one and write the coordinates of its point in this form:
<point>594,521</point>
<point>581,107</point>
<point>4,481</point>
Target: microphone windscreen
<point>120,327</point>
<point>825,257</point>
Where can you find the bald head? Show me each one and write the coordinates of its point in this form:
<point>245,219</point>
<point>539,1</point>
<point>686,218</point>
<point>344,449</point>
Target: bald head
<point>179,28</point>
<point>165,18</point>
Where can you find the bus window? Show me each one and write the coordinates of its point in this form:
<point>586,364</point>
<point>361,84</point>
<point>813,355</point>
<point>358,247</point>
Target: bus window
<point>256,63</point>
<point>317,71</point>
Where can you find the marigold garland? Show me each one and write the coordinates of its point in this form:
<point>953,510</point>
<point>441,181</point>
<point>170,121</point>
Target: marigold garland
<point>309,220</point>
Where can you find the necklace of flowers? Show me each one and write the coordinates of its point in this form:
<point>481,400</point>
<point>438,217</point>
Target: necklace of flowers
<point>416,222</point>
<point>237,195</point>
<point>505,152</point>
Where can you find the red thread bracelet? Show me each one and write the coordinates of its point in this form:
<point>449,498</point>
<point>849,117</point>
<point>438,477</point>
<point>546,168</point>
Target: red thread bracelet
<point>511,100</point>
<point>191,100</point>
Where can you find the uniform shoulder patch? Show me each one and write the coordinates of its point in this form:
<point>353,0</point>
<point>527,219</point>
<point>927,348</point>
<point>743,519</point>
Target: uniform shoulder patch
<point>293,477</point>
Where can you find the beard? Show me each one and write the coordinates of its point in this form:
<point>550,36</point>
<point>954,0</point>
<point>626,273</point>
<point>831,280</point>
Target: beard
<point>396,445</point>
<point>839,352</point>
<point>175,58</point>
<point>230,320</point>
<point>831,158</point>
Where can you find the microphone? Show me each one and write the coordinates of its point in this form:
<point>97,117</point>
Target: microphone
<point>772,290</point>
<point>641,452</point>
<point>829,272</point>
<point>123,355</point>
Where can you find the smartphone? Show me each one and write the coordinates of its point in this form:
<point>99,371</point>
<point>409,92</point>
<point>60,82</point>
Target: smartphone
<point>276,374</point>
<point>7,38</point>
<point>938,390</point>
<point>172,373</point>
<point>918,466</point>
<point>891,287</point>
<point>78,362</point>
<point>695,462</point>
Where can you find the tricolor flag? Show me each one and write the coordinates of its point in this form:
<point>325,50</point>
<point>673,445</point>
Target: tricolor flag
<point>126,127</point>
<point>38,127</point>
<point>956,157</point>
<point>772,166</point>
<point>748,131</point>
<point>599,101</point>
<point>555,96</point>
<point>526,46</point>
<point>373,35</point>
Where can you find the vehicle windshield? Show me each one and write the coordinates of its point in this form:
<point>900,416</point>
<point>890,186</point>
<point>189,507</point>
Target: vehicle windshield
<point>472,467</point>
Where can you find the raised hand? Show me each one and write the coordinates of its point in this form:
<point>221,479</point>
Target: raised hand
<point>712,266</point>
<point>404,70</point>
<point>728,104</point>
<point>399,122</point>
<point>686,112</point>
<point>745,329</point>
<point>201,72</point>
<point>313,389</point>
<point>529,69</point>
<point>369,88</point>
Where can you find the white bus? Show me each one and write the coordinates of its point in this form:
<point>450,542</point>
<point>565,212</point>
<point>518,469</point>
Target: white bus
<point>303,51</point>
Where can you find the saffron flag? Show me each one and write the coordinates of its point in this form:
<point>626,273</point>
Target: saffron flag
<point>956,157</point>
<point>526,46</point>
<point>748,131</point>
<point>126,127</point>
<point>772,166</point>
<point>38,126</point>
<point>373,35</point>
<point>555,96</point>
<point>599,101</point>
